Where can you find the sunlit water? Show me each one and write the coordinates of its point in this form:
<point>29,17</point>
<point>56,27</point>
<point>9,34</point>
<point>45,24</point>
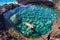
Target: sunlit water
<point>2,2</point>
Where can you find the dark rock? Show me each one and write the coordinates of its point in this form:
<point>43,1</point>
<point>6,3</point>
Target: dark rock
<point>57,36</point>
<point>1,10</point>
<point>58,27</point>
<point>48,38</point>
<point>2,24</point>
<point>4,9</point>
<point>10,6</point>
<point>2,20</point>
<point>48,3</point>
<point>25,1</point>
<point>44,2</point>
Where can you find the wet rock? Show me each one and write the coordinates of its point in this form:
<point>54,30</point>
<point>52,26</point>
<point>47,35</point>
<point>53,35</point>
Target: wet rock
<point>2,22</point>
<point>10,6</point>
<point>2,10</point>
<point>44,2</point>
<point>48,3</point>
<point>25,1</point>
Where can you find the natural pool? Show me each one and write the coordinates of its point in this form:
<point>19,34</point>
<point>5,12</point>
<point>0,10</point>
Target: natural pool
<point>41,27</point>
<point>40,17</point>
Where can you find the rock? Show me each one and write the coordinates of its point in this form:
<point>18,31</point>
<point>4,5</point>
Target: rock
<point>2,22</point>
<point>3,9</point>
<point>10,6</point>
<point>4,36</point>
<point>55,33</point>
<point>21,1</point>
<point>57,36</point>
<point>49,3</point>
<point>44,2</point>
<point>57,4</point>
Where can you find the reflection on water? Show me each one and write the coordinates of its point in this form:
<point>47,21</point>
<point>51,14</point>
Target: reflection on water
<point>2,2</point>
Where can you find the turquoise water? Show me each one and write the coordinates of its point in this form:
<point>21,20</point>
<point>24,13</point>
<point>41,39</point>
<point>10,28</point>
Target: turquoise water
<point>2,2</point>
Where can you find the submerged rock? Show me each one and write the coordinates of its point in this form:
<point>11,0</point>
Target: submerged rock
<point>4,9</point>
